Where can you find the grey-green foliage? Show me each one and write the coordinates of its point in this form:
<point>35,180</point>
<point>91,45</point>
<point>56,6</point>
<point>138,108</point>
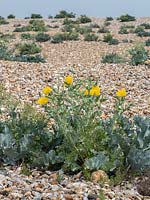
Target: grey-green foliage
<point>139,154</point>
<point>138,54</point>
<point>97,162</point>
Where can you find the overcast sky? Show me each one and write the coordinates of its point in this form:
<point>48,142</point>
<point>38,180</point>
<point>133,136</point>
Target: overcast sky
<point>95,8</point>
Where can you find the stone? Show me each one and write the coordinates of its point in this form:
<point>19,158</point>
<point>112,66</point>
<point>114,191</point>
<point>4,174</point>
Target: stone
<point>99,176</point>
<point>68,197</point>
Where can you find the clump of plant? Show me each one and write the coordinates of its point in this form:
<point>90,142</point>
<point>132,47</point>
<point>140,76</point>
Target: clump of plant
<point>28,48</point>
<point>126,18</point>
<point>103,29</point>
<point>11,16</point>
<point>28,58</point>
<point>94,25</point>
<point>7,37</point>
<point>36,16</point>
<point>90,37</point>
<point>147,42</point>
<point>145,25</point>
<point>3,21</point>
<point>139,54</point>
<point>34,25</point>
<point>123,30</point>
<point>84,19</point>
<point>60,37</point>
<point>110,40</point>
<point>113,58</point>
<point>27,36</point>
<point>83,29</point>
<point>42,37</point>
<point>107,23</point>
<point>65,14</point>
<point>109,18</point>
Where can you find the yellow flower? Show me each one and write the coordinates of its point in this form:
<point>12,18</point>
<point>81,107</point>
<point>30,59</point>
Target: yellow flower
<point>86,92</point>
<point>68,80</point>
<point>95,91</point>
<point>42,100</point>
<point>121,93</point>
<point>47,90</point>
<point>92,92</point>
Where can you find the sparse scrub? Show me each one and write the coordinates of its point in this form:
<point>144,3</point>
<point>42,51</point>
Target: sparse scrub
<point>113,58</point>
<point>90,37</point>
<point>84,19</point>
<point>65,14</point>
<point>36,16</point>
<point>103,29</point>
<point>83,29</point>
<point>126,18</point>
<point>94,25</point>
<point>11,16</point>
<point>109,19</point>
<point>27,48</point>
<point>147,42</point>
<point>139,54</point>
<point>27,36</point>
<point>42,37</point>
<point>145,25</point>
<point>123,30</point>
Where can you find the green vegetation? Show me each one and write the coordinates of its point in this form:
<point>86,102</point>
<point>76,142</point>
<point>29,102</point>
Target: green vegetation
<point>139,54</point>
<point>123,30</point>
<point>11,16</point>
<point>3,21</point>
<point>34,25</point>
<point>42,37</point>
<point>36,16</point>
<point>109,19</point>
<point>65,14</point>
<point>147,42</point>
<point>27,36</point>
<point>71,134</point>
<point>103,29</point>
<point>110,40</point>
<point>113,58</point>
<point>84,19</point>
<point>90,37</point>
<point>145,25</point>
<point>27,48</point>
<point>126,18</point>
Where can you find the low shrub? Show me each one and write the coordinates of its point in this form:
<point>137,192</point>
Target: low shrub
<point>57,38</point>
<point>113,58</point>
<point>3,21</point>
<point>139,54</point>
<point>27,36</point>
<point>83,29</point>
<point>145,25</point>
<point>147,42</point>
<point>107,23</point>
<point>36,16</point>
<point>109,18</point>
<point>84,19</point>
<point>28,58</point>
<point>42,37</point>
<point>94,25</point>
<point>7,37</point>
<point>126,18</point>
<point>34,25</point>
<point>144,34</point>
<point>103,29</point>
<point>90,37</point>
<point>123,30</point>
<point>110,40</point>
<point>11,16</point>
<point>27,48</point>
<point>65,14</point>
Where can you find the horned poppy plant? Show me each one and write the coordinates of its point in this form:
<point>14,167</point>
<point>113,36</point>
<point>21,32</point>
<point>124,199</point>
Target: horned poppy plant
<point>68,80</point>
<point>42,100</point>
<point>121,92</point>
<point>86,92</point>
<point>95,91</point>
<point>47,90</point>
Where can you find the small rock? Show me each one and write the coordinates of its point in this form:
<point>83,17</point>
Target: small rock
<point>99,176</point>
<point>68,197</point>
<point>92,196</point>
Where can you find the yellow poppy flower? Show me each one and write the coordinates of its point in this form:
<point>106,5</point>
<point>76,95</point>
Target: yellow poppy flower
<point>86,92</point>
<point>47,90</point>
<point>95,91</point>
<point>42,100</point>
<point>68,80</point>
<point>121,93</point>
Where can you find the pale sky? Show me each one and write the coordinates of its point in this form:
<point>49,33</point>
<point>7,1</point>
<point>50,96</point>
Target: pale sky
<point>92,8</point>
